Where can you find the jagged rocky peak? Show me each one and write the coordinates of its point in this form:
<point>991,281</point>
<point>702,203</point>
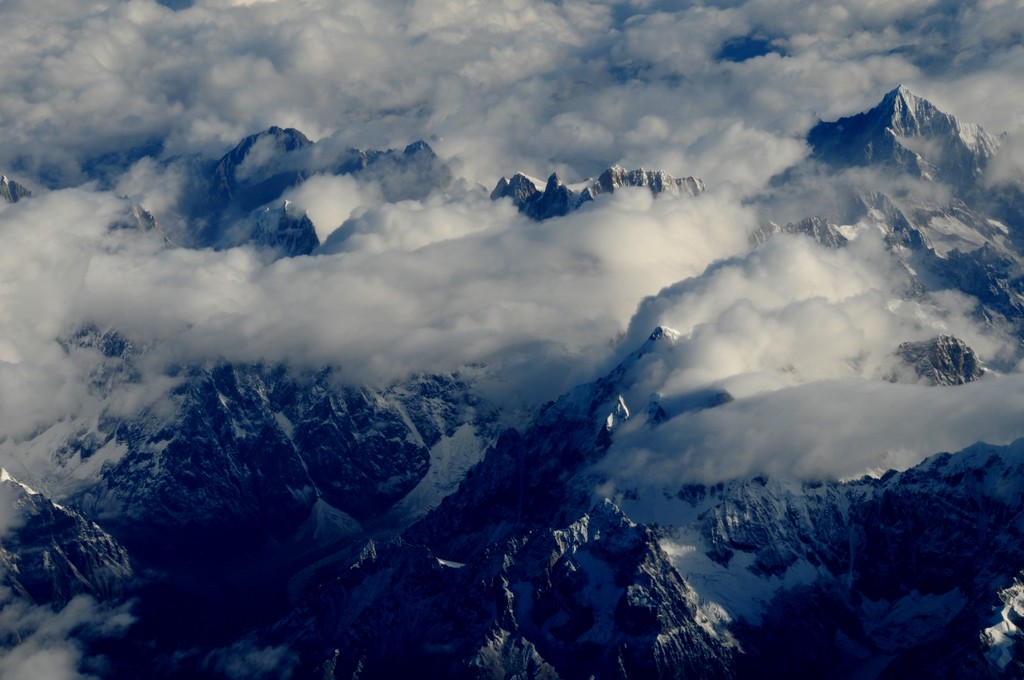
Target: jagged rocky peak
<point>1001,641</point>
<point>11,191</point>
<point>418,148</point>
<point>137,218</point>
<point>261,148</point>
<point>519,188</point>
<point>285,231</point>
<point>818,228</point>
<point>594,596</point>
<point>264,166</point>
<point>50,553</point>
<point>662,336</point>
<point>906,113</point>
<point>256,171</point>
<point>280,140</point>
<point>908,133</point>
<point>557,198</point>
<point>655,180</point>
<point>944,360</point>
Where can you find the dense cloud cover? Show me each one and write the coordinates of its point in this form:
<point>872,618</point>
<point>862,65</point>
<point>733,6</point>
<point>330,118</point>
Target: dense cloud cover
<point>108,104</point>
<point>723,90</point>
<point>111,99</point>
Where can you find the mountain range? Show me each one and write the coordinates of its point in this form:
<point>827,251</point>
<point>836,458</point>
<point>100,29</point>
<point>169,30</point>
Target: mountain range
<point>347,530</point>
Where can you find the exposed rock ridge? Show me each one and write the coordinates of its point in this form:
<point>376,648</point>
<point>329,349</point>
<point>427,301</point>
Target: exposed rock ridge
<point>557,199</point>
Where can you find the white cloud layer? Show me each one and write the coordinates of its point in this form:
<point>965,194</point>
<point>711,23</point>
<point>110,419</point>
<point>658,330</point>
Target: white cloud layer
<point>804,339</point>
<point>122,94</point>
<point>519,84</point>
<point>37,642</point>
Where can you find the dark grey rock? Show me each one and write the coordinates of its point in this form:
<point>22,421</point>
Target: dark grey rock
<point>51,553</point>
<point>821,230</point>
<point>557,199</point>
<point>11,191</point>
<point>943,360</point>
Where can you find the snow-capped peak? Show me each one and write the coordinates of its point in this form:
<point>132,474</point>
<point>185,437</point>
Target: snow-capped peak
<point>5,476</point>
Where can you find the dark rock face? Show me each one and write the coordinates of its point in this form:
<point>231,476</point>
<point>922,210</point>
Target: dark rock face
<point>821,230</point>
<point>920,175</point>
<point>907,134</point>
<point>245,451</point>
<point>250,449</point>
<point>11,191</point>
<point>259,169</point>
<point>517,572</point>
<point>557,199</point>
<point>901,575</point>
<point>263,166</point>
<point>520,189</point>
<point>897,574</point>
<point>283,232</point>
<point>988,275</point>
<point>908,567</point>
<point>944,360</point>
<point>597,598</point>
<point>50,553</point>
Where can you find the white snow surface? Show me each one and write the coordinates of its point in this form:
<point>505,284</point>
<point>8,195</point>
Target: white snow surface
<point>327,524</point>
<point>450,459</point>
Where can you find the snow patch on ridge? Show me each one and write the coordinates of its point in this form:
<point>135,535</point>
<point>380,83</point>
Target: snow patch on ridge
<point>450,459</point>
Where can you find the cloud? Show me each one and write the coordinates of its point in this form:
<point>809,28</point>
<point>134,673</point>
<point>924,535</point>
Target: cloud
<point>791,304</point>
<point>330,200</point>
<point>128,95</point>
<point>405,287</point>
<point>38,642</point>
<point>245,659</point>
<point>418,285</point>
<point>803,338</point>
<point>827,429</point>
<point>521,84</point>
<point>108,99</point>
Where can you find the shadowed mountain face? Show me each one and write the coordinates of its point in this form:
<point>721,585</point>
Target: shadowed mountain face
<point>244,453</point>
<point>907,134</point>
<point>516,573</point>
<point>50,554</point>
<point>942,361</point>
<point>920,176</point>
<point>11,191</point>
<point>236,192</point>
<point>557,199</point>
<point>259,169</point>
<point>333,529</point>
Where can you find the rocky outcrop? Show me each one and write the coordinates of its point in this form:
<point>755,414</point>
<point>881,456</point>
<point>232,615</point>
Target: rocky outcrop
<point>821,230</point>
<point>557,199</point>
<point>11,191</point>
<point>50,553</point>
<point>943,360</point>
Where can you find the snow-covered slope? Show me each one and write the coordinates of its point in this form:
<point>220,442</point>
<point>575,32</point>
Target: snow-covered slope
<point>920,176</point>
<point>897,575</point>
<point>392,530</point>
<point>50,553</point>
